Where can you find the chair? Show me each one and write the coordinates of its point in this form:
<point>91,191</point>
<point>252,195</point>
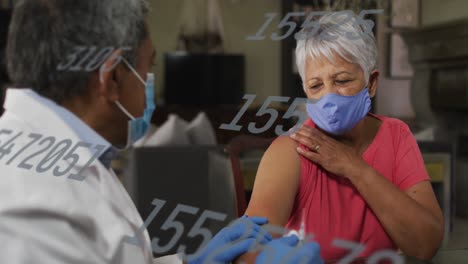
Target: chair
<point>197,176</point>
<point>235,148</point>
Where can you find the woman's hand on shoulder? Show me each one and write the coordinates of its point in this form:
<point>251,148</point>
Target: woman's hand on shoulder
<point>332,155</point>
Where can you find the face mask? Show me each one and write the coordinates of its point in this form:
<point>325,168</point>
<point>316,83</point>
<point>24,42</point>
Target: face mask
<point>137,127</point>
<point>337,114</point>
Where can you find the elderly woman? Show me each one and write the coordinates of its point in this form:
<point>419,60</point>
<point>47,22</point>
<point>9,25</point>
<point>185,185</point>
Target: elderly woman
<point>81,213</point>
<point>349,174</point>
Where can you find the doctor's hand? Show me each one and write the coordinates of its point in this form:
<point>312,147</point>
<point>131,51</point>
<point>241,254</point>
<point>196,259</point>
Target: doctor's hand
<point>286,251</point>
<point>233,241</point>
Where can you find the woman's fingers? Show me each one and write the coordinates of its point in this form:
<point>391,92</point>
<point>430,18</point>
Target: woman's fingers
<point>304,138</point>
<point>316,134</point>
<point>312,156</point>
<point>320,135</point>
<point>314,140</point>
<point>313,137</point>
<point>311,133</point>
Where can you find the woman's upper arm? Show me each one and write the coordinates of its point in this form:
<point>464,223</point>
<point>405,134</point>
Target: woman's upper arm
<point>276,182</point>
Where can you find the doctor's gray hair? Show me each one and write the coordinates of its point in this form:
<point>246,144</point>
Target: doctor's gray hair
<point>361,51</point>
<point>44,33</point>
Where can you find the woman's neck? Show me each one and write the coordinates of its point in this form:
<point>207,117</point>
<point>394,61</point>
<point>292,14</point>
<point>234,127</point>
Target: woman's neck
<point>362,135</point>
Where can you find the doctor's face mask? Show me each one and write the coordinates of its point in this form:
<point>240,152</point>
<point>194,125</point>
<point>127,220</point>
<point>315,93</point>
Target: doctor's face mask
<point>138,126</point>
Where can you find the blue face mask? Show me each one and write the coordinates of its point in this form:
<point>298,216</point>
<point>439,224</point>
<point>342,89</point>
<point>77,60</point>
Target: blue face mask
<point>337,114</point>
<point>137,127</point>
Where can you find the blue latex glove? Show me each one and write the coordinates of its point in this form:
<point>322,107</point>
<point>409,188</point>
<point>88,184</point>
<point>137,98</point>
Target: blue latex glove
<point>286,251</point>
<point>233,241</point>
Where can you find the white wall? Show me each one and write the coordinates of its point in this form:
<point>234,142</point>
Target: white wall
<point>241,18</point>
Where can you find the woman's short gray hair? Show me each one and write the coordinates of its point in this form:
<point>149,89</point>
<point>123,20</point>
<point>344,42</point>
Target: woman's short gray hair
<point>362,50</point>
<point>44,33</point>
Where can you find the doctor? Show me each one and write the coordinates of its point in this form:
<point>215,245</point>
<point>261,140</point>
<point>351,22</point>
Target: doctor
<point>78,211</point>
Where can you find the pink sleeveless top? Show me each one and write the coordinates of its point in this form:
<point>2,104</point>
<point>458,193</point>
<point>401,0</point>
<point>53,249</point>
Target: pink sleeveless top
<point>333,209</point>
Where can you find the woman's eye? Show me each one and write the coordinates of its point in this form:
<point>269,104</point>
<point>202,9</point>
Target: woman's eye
<point>315,86</point>
<point>343,81</point>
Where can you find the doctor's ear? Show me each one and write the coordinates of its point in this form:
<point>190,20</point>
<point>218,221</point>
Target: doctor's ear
<point>373,82</point>
<point>108,76</point>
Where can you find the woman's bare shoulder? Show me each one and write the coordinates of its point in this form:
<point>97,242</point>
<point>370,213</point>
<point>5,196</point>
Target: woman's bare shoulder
<point>283,146</point>
<point>282,156</point>
<point>280,163</point>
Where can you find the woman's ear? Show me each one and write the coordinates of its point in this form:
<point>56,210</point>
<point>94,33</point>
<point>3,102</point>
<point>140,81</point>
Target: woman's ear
<point>373,82</point>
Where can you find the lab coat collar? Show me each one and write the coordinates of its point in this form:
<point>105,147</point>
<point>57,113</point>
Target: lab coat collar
<point>99,193</point>
<point>45,116</point>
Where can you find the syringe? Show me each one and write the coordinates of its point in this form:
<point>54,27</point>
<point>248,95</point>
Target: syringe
<point>302,230</point>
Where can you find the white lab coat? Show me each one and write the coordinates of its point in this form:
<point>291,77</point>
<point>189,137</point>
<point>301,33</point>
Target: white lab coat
<point>49,219</point>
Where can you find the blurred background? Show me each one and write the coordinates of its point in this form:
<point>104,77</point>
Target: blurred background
<point>211,53</point>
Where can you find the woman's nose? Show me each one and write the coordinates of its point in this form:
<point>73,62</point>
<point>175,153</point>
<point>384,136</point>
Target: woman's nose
<point>330,108</point>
